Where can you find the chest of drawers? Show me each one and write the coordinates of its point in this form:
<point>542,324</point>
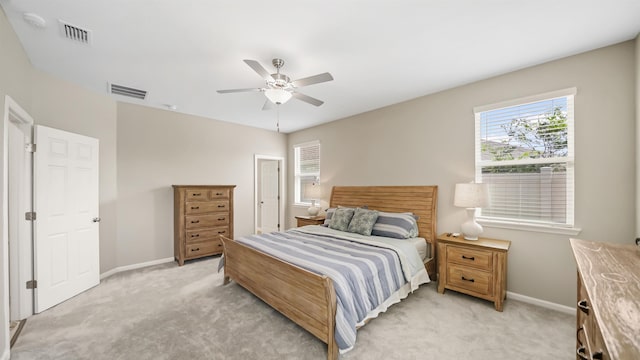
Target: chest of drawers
<point>608,306</point>
<point>474,267</point>
<point>202,213</point>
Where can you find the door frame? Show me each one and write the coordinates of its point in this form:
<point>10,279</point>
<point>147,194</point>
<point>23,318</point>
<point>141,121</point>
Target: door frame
<point>21,242</point>
<point>256,183</point>
<point>13,112</point>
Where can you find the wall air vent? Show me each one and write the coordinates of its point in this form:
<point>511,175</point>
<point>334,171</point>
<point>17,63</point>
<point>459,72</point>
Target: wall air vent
<point>127,91</point>
<point>75,33</point>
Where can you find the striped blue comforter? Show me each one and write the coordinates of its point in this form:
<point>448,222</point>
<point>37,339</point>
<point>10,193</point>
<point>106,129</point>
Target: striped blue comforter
<point>364,273</point>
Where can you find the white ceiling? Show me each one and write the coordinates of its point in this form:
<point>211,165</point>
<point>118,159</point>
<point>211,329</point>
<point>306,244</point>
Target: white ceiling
<point>380,52</point>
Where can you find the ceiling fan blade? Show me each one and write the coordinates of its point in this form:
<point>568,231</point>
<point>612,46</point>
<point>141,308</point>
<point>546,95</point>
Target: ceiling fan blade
<point>259,69</point>
<point>312,80</point>
<point>307,98</point>
<point>268,105</point>
<point>239,90</point>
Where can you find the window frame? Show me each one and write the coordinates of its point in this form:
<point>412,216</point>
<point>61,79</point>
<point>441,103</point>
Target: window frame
<point>297,175</point>
<point>568,227</point>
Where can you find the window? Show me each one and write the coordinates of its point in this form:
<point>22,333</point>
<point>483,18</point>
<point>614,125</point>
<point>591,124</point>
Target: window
<point>524,153</point>
<point>307,169</point>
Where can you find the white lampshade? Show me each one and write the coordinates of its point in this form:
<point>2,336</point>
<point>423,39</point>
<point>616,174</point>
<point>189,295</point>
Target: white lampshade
<point>277,96</point>
<point>471,196</point>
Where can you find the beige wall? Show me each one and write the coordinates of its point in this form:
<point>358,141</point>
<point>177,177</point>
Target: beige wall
<point>15,75</point>
<point>430,140</point>
<point>158,148</point>
<point>65,106</point>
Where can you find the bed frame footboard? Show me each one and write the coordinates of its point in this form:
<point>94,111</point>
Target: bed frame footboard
<point>306,298</point>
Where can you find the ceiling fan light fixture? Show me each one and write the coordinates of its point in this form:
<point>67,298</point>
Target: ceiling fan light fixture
<point>277,96</point>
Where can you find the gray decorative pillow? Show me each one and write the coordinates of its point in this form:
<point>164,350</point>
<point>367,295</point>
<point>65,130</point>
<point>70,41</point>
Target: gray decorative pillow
<point>362,221</point>
<point>341,219</point>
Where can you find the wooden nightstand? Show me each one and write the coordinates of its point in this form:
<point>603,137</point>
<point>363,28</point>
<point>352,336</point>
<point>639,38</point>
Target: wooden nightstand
<point>309,220</point>
<point>474,267</point>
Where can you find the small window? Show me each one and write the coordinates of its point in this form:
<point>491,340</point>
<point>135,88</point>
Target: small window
<point>307,169</point>
<point>525,154</point>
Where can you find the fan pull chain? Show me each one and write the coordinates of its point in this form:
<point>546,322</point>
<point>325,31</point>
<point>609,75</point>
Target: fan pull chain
<point>278,117</point>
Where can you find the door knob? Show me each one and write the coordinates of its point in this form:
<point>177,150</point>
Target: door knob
<point>96,219</point>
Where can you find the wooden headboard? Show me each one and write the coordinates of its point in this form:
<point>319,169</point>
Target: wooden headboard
<point>420,200</point>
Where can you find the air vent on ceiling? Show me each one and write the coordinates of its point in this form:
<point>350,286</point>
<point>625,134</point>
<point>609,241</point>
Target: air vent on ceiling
<point>75,33</point>
<point>127,91</point>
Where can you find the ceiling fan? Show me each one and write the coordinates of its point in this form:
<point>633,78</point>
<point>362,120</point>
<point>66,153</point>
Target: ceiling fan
<point>279,87</point>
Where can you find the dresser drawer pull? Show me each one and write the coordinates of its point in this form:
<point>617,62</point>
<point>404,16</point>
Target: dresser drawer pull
<point>470,280</point>
<point>472,258</point>
<point>219,194</point>
<point>583,305</point>
<point>195,207</point>
<point>195,235</point>
<point>582,353</point>
<point>220,206</point>
<point>196,249</point>
<point>195,221</point>
<point>220,219</point>
<point>196,194</point>
<point>221,232</point>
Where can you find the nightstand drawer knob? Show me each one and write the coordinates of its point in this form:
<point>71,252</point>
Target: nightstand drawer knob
<point>195,221</point>
<point>195,235</point>
<point>195,207</point>
<point>472,258</point>
<point>221,232</point>
<point>583,305</point>
<point>196,249</point>
<point>221,219</point>
<point>220,206</point>
<point>470,280</point>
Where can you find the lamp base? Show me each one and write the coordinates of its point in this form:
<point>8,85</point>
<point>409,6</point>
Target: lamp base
<point>313,210</point>
<point>470,228</point>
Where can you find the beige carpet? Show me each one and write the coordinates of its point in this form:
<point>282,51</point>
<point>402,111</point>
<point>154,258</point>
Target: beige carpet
<point>171,312</point>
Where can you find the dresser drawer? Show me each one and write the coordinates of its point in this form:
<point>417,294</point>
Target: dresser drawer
<point>480,259</point>
<point>218,194</point>
<point>204,248</point>
<point>470,279</point>
<point>204,221</point>
<point>199,207</point>
<point>196,195</point>
<point>199,235</point>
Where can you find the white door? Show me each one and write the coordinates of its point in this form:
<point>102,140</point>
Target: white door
<point>269,196</point>
<point>67,220</point>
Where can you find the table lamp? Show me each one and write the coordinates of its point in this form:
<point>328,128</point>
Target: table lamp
<point>313,193</point>
<point>471,196</point>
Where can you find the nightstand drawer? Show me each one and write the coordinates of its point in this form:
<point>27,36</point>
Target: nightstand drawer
<point>480,259</point>
<point>463,277</point>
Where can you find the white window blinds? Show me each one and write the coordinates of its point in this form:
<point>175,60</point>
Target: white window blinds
<point>525,154</point>
<point>307,168</point>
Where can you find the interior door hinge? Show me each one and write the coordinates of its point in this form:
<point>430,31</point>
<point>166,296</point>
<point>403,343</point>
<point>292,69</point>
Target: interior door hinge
<point>30,147</point>
<point>32,284</point>
<point>30,215</point>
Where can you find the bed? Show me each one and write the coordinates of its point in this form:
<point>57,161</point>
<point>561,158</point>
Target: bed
<point>307,298</point>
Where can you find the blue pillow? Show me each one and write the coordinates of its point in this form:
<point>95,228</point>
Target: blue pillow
<point>395,225</point>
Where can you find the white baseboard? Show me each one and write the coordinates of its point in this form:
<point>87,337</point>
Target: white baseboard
<point>134,266</point>
<point>542,303</point>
